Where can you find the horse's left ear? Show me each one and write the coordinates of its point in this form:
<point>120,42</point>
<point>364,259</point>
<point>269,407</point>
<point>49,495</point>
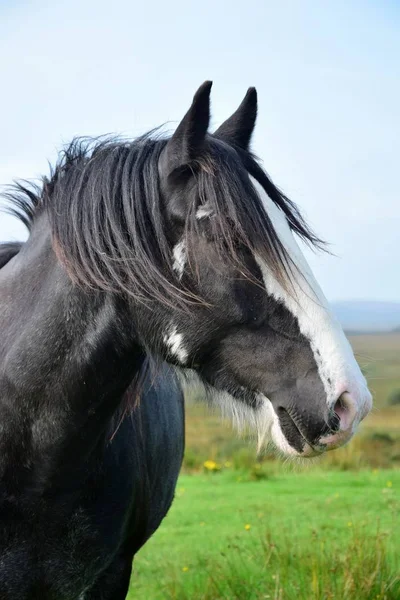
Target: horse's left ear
<point>188,141</point>
<point>238,129</point>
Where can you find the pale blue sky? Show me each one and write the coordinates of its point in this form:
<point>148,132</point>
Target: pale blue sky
<point>327,74</point>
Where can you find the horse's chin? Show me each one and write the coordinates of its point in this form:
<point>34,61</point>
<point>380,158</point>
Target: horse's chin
<point>285,450</point>
<point>309,451</point>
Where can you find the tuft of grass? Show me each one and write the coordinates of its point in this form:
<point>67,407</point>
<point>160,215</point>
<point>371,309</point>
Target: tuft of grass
<point>280,569</point>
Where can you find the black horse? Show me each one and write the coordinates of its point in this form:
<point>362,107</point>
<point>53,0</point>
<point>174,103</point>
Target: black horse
<point>176,250</point>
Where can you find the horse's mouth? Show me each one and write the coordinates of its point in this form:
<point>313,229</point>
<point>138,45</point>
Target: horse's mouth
<point>295,437</point>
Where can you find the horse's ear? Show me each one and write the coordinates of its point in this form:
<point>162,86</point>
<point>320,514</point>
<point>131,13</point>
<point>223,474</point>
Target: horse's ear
<point>237,130</point>
<point>188,141</point>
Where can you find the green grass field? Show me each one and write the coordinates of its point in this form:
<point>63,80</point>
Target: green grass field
<point>248,527</point>
<point>310,536</point>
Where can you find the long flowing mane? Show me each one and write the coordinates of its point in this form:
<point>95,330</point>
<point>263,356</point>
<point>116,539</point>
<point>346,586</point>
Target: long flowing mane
<point>106,212</point>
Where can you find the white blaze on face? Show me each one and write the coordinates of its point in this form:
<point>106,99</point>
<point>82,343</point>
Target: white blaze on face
<point>337,367</point>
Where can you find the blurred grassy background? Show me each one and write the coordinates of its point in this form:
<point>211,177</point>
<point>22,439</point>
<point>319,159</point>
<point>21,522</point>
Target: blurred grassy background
<point>247,527</point>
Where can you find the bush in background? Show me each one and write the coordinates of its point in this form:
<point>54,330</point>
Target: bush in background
<point>394,398</point>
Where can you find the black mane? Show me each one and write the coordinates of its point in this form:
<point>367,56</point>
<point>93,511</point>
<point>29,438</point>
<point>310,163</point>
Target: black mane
<point>105,208</point>
<point>23,200</point>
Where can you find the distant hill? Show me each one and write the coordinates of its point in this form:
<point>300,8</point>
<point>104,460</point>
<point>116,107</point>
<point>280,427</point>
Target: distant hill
<point>363,316</point>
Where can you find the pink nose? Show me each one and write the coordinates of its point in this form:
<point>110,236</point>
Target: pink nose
<point>349,412</point>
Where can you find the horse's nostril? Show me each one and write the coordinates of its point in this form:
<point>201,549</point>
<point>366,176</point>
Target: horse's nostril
<point>334,422</point>
<point>344,411</point>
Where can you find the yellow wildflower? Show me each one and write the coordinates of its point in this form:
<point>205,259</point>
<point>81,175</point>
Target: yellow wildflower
<point>211,465</point>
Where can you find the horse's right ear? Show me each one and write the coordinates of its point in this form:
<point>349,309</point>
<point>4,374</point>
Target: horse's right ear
<point>238,129</point>
<point>188,141</point>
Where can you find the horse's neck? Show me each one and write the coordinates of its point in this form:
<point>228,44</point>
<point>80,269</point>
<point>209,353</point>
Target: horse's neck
<point>66,359</point>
